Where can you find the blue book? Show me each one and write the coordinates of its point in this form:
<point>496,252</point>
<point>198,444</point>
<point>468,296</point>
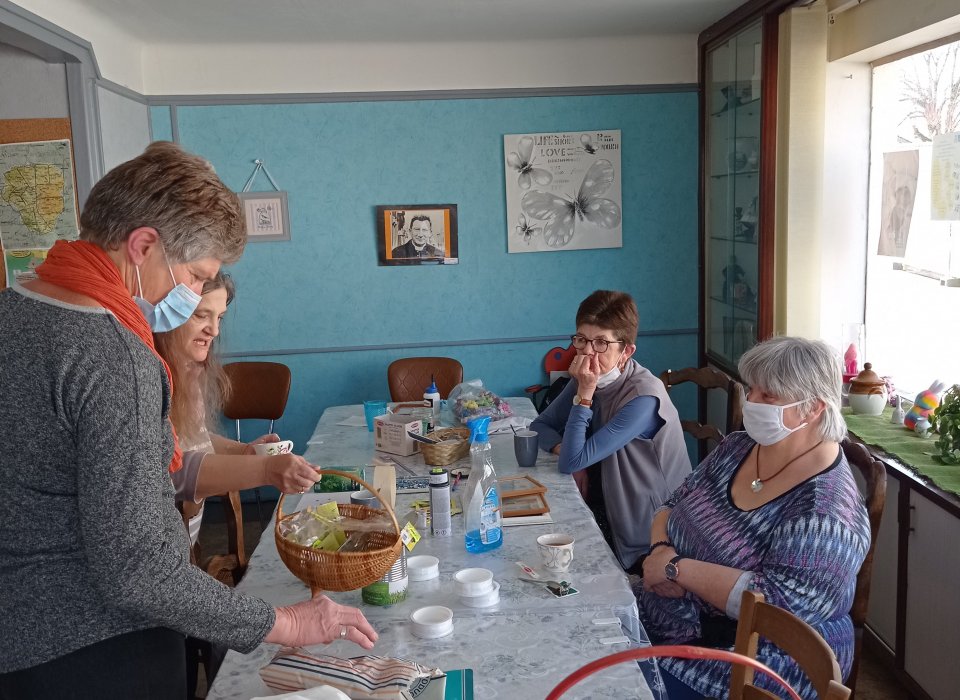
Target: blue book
<point>459,685</point>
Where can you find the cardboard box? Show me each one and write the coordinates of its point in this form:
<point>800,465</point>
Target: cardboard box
<point>390,434</point>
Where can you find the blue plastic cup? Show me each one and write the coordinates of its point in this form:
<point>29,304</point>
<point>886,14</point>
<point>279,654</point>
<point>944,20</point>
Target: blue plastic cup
<point>372,409</point>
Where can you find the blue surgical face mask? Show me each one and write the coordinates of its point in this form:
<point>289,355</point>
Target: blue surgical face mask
<point>764,422</point>
<point>171,311</point>
<point>608,378</point>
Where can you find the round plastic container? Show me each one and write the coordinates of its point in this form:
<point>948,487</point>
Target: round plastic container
<point>484,600</point>
<point>473,582</point>
<point>431,622</point>
<point>423,567</point>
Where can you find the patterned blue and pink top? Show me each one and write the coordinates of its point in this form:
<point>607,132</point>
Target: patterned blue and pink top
<point>803,550</point>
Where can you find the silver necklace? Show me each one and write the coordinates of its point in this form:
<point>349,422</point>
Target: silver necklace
<point>757,484</point>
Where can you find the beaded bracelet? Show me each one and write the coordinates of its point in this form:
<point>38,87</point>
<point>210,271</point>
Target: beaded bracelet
<point>661,543</point>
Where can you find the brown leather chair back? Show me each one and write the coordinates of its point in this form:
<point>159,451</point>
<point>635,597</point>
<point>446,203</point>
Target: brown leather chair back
<point>408,377</point>
<point>793,636</point>
<point>707,435</point>
<point>875,495</point>
<point>257,390</point>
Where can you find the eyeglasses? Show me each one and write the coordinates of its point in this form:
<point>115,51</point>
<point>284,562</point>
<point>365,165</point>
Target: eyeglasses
<point>599,344</point>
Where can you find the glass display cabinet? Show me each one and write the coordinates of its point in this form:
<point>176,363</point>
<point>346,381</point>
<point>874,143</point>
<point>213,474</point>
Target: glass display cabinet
<point>737,117</point>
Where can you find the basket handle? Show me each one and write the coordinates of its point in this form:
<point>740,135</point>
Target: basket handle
<point>352,477</point>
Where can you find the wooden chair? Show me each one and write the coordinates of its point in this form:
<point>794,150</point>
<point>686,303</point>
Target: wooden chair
<point>408,377</point>
<point>795,637</point>
<point>875,494</point>
<point>258,390</point>
<point>707,378</point>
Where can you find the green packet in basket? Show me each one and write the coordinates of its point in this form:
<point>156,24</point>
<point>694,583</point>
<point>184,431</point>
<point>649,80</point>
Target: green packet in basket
<point>332,483</point>
<point>366,677</point>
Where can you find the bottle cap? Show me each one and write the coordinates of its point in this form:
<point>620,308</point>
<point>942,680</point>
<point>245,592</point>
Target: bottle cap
<point>439,476</point>
<point>478,428</point>
<point>432,389</point>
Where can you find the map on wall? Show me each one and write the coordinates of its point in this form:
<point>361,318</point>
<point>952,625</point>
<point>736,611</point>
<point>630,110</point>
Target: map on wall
<point>37,201</point>
<point>563,191</point>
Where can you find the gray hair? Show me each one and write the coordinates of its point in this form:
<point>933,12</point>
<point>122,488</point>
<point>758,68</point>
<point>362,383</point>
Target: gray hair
<point>174,192</point>
<point>797,369</point>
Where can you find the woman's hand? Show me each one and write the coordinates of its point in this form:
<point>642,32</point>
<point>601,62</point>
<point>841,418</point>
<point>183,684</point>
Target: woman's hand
<point>320,621</point>
<point>290,473</point>
<point>263,439</point>
<point>655,577</point>
<point>586,370</point>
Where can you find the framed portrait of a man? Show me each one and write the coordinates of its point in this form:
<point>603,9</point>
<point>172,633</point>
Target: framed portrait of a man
<point>417,234</point>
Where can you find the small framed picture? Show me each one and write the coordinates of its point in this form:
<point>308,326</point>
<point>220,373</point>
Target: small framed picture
<point>516,486</point>
<point>266,215</point>
<point>417,234</point>
<point>531,504</point>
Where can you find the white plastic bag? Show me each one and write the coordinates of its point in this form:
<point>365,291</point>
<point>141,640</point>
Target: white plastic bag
<point>470,400</point>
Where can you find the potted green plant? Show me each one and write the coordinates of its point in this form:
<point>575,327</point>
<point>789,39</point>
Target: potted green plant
<point>945,419</point>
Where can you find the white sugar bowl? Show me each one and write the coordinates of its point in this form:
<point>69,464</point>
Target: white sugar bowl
<point>868,392</point>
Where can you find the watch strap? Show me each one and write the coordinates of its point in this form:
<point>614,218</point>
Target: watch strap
<point>580,401</point>
<point>671,570</point>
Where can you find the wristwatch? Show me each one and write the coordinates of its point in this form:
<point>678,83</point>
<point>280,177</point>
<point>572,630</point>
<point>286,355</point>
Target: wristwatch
<point>580,401</point>
<point>671,570</point>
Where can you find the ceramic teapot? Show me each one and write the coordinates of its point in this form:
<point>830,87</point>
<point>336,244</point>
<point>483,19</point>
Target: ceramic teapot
<point>868,392</point>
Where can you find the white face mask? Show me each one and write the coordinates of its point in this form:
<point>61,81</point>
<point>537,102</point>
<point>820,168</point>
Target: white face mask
<point>608,378</point>
<point>764,422</point>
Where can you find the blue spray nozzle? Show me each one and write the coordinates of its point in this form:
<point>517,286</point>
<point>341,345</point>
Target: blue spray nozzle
<point>432,389</point>
<point>478,428</point>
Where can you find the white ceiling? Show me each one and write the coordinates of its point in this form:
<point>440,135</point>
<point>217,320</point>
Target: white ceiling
<point>311,21</point>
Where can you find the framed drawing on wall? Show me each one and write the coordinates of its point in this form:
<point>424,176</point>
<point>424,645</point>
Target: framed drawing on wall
<point>417,234</point>
<point>266,215</point>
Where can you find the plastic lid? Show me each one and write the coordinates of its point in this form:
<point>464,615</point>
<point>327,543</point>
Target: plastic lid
<point>478,429</point>
<point>432,389</point>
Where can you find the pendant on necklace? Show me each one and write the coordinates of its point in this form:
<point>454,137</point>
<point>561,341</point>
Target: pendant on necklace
<point>756,485</point>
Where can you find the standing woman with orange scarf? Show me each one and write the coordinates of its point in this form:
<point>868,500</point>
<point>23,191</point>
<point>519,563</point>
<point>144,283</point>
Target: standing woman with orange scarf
<point>96,586</point>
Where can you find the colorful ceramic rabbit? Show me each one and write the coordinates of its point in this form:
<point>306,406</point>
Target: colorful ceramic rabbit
<point>925,402</point>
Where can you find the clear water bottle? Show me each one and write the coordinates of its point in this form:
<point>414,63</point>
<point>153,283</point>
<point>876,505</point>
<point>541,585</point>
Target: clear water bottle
<point>481,499</point>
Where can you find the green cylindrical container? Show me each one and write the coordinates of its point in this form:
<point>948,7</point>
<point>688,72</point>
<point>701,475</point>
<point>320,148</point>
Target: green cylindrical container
<point>392,587</point>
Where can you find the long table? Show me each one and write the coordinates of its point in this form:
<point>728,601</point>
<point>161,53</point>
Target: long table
<point>519,648</point>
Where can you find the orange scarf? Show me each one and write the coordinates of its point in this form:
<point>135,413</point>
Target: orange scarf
<point>85,268</point>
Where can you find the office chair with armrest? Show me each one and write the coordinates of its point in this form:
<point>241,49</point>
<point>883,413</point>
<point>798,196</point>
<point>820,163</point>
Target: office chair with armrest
<point>258,390</point>
<point>792,635</point>
<point>875,495</point>
<point>409,376</point>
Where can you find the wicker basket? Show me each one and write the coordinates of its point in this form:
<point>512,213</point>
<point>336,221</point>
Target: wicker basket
<point>442,455</point>
<point>341,571</point>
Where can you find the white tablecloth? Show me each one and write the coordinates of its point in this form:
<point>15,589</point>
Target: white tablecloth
<point>521,647</point>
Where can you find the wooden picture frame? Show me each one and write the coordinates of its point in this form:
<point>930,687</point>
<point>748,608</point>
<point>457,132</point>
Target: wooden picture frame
<point>530,504</point>
<point>417,234</point>
<point>517,486</point>
<point>267,216</point>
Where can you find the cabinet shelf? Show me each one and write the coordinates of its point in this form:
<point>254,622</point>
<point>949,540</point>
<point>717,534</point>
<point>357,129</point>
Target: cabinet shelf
<point>750,314</point>
<point>735,173</point>
<point>745,241</point>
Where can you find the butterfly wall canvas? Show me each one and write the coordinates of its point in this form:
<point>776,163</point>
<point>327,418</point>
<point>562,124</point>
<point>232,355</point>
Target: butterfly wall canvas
<point>563,191</point>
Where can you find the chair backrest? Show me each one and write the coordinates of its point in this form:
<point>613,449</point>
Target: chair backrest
<point>792,635</point>
<point>709,378</point>
<point>409,376</point>
<point>257,390</point>
<point>875,495</point>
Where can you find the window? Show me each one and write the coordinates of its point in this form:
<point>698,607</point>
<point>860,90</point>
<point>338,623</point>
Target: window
<point>912,309</point>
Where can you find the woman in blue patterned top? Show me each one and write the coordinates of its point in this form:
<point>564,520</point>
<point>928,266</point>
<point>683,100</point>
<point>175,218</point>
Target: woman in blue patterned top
<point>774,509</point>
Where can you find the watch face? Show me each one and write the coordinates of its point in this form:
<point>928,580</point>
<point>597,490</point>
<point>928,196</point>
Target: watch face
<point>671,571</point>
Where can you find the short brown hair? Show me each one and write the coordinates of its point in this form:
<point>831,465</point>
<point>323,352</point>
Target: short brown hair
<point>612,310</point>
<point>174,192</point>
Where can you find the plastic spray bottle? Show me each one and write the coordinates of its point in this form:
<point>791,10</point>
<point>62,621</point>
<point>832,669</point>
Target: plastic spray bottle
<point>481,499</point>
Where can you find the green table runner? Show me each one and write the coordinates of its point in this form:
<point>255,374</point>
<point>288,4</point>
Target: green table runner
<point>912,450</point>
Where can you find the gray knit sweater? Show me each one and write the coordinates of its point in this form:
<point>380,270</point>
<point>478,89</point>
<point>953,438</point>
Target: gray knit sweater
<point>91,545</point>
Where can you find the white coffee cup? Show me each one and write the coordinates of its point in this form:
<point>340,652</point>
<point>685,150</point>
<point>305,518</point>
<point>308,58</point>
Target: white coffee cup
<point>556,551</point>
<point>268,449</point>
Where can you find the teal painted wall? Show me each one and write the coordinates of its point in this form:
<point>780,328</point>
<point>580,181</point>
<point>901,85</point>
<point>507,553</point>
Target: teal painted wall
<point>323,288</point>
<point>160,125</point>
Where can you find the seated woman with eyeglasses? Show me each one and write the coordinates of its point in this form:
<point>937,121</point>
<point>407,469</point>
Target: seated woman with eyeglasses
<point>616,414</point>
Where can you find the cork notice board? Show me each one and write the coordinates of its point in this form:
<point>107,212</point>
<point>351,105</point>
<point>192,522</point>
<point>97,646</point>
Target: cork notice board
<point>24,131</point>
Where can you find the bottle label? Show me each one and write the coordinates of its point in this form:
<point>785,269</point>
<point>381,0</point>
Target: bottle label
<point>490,517</point>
